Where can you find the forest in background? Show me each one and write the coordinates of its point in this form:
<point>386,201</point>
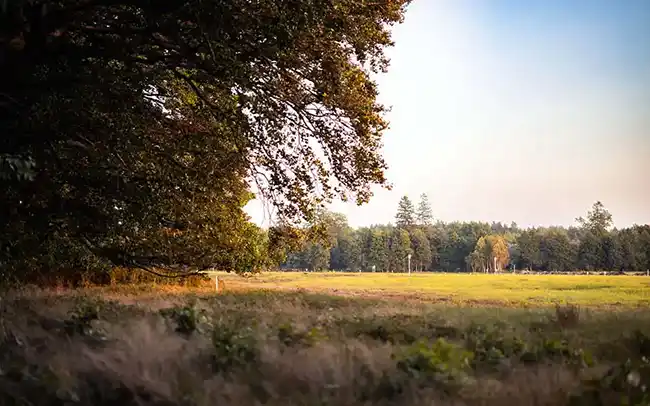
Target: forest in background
<point>435,246</point>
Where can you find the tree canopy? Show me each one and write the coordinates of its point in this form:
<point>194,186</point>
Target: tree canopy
<point>131,128</point>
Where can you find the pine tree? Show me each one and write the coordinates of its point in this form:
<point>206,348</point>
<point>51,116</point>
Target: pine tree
<point>424,215</point>
<point>405,216</point>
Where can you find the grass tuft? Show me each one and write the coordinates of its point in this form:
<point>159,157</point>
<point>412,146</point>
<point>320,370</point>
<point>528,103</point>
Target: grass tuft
<point>567,316</point>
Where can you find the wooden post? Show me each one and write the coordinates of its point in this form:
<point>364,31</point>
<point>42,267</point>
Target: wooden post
<point>216,283</point>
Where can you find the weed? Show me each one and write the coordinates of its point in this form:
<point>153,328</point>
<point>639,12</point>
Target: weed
<point>567,316</point>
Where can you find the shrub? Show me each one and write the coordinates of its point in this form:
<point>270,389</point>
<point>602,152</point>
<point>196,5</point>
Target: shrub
<point>558,351</point>
<point>187,318</point>
<point>233,348</point>
<point>441,362</point>
<point>289,337</point>
<point>490,346</point>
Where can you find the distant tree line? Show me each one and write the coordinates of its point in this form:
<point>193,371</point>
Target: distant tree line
<point>435,246</point>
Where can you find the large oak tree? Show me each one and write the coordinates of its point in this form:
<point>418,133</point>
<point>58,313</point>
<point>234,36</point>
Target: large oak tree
<point>130,127</point>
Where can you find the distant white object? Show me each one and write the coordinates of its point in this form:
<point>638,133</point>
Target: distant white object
<point>216,279</point>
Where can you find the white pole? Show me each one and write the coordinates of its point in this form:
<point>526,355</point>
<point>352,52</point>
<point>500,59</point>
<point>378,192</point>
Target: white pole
<point>495,264</point>
<point>216,283</point>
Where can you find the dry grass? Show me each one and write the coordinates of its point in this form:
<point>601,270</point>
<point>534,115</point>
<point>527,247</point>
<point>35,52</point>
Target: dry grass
<point>295,348</point>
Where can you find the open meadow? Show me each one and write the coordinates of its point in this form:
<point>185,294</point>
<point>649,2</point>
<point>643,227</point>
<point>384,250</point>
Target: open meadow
<point>331,339</point>
<point>479,289</point>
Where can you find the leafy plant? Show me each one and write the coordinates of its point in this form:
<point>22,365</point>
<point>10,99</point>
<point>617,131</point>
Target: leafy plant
<point>490,346</point>
<point>290,337</point>
<point>233,348</point>
<point>440,361</point>
<point>187,318</point>
<point>558,351</point>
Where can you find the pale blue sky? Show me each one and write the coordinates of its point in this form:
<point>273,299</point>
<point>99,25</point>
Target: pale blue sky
<point>511,110</point>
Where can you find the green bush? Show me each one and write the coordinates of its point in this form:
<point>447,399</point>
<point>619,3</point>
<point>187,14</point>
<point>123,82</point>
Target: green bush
<point>442,362</point>
<point>187,318</point>
<point>491,346</point>
<point>233,348</point>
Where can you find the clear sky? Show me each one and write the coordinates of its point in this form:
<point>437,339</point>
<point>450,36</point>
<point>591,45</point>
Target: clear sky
<point>510,110</point>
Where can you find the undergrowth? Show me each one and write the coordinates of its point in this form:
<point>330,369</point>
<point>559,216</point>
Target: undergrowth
<point>294,348</point>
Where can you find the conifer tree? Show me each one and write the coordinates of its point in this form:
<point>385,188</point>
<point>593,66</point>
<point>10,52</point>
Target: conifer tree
<point>405,216</point>
<point>424,214</point>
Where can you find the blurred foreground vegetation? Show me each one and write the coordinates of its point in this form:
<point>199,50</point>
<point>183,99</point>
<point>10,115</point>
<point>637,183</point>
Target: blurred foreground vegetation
<point>299,348</point>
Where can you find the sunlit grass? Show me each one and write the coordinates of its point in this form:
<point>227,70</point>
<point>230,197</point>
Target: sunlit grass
<point>505,289</point>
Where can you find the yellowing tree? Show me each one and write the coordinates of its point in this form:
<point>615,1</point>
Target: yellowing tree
<point>490,254</point>
<point>498,252</point>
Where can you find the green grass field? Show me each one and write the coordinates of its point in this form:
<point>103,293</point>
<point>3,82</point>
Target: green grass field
<point>332,339</point>
<point>476,289</point>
